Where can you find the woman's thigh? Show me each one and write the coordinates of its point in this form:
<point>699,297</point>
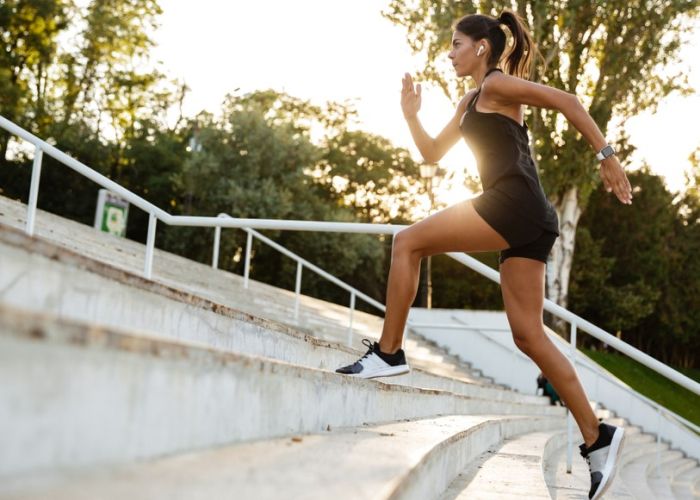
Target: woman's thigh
<point>522,287</point>
<point>458,228</point>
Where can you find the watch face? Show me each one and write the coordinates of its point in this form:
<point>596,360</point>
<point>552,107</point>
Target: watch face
<point>607,151</point>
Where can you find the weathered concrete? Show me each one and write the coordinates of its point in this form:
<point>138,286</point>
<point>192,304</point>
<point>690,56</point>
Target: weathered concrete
<point>674,469</point>
<point>78,395</point>
<point>515,470</point>
<point>195,379</point>
<point>563,485</point>
<point>406,460</point>
<point>44,277</point>
<point>686,486</point>
<point>636,473</point>
<point>320,319</point>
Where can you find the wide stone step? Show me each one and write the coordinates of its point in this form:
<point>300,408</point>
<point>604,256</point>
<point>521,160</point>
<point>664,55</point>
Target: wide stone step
<point>675,468</point>
<point>576,484</point>
<point>221,287</point>
<point>399,460</point>
<point>686,486</point>
<point>77,394</point>
<point>45,277</point>
<point>659,475</point>
<point>640,475</point>
<point>515,469</point>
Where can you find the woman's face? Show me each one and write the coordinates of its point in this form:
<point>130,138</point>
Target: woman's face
<point>463,53</point>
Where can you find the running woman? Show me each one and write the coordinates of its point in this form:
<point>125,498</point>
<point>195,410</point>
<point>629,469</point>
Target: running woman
<point>512,215</point>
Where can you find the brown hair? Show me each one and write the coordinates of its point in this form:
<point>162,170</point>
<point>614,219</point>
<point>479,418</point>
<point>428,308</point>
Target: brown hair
<point>519,60</point>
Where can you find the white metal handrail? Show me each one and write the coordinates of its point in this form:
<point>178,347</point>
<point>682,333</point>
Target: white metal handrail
<point>658,408</point>
<point>156,214</point>
<point>463,326</point>
<point>301,263</point>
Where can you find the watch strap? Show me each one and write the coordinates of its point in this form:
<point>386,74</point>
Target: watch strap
<point>606,152</point>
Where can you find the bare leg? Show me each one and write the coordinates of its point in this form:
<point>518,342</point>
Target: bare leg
<point>458,228</point>
<point>522,286</point>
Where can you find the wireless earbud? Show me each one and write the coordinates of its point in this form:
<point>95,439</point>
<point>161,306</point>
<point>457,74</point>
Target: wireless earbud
<point>481,49</point>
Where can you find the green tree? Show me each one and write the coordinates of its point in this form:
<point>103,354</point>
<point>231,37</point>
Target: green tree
<point>367,173</point>
<point>252,162</point>
<point>636,274</point>
<point>612,55</point>
<point>28,48</point>
<point>88,96</point>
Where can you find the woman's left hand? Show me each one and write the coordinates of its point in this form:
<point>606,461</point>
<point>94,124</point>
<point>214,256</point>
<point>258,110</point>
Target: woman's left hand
<point>615,179</point>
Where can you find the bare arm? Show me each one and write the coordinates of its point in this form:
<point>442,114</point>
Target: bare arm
<point>509,89</point>
<point>432,149</point>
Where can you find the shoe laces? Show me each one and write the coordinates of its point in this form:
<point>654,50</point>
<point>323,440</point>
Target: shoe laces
<point>586,457</point>
<point>370,348</point>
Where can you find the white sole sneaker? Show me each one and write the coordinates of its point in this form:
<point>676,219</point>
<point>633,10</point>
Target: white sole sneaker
<point>611,462</point>
<point>391,371</point>
<point>372,365</point>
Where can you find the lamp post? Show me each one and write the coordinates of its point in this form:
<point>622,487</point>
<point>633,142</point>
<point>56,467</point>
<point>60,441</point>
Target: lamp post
<point>428,171</point>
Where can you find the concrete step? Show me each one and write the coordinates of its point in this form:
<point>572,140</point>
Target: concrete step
<point>45,277</point>
<point>219,287</point>
<point>634,450</point>
<point>674,469</point>
<point>576,484</point>
<point>659,476</point>
<point>639,475</point>
<point>398,460</point>
<point>686,486</point>
<point>77,395</point>
<point>515,469</point>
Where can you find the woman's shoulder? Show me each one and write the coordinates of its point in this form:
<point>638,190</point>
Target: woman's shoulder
<point>464,102</point>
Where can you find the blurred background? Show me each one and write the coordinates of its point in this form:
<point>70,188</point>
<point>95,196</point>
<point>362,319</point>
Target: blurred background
<point>290,110</point>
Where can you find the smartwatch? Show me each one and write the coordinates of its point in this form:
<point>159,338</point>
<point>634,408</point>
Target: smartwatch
<point>606,152</point>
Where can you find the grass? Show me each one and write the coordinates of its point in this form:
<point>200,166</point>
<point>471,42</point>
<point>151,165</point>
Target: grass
<point>651,384</point>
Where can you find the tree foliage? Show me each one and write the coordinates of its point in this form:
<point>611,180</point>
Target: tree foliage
<point>636,273</point>
<point>612,55</point>
<point>75,77</point>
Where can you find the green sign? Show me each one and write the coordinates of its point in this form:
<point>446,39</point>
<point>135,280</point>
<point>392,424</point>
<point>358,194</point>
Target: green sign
<point>112,213</point>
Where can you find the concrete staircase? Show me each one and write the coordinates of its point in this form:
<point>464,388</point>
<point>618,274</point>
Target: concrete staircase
<point>191,386</point>
<point>637,475</point>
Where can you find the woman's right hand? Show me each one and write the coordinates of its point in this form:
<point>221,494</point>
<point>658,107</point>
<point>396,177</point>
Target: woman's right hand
<point>410,97</point>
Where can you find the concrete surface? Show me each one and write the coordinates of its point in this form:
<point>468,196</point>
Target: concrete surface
<point>78,394</point>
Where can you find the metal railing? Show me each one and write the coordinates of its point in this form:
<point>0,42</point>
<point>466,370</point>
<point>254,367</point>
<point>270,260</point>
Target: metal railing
<point>301,263</point>
<point>586,363</point>
<point>155,214</point>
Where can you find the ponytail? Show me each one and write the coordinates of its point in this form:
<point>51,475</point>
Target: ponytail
<point>518,61</point>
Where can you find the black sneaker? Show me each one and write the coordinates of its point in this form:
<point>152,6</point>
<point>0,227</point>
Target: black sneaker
<point>376,363</point>
<point>603,457</point>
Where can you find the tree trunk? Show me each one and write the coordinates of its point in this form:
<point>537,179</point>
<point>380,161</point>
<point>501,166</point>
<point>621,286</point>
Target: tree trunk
<point>561,257</point>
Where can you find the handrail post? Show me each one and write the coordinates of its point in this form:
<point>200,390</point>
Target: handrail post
<point>352,310</point>
<point>150,244</point>
<point>658,441</point>
<point>246,269</point>
<point>569,416</point>
<point>34,190</point>
<point>297,290</point>
<point>215,252</point>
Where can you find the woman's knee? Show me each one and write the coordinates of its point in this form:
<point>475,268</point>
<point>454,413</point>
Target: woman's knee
<point>528,338</point>
<point>404,245</point>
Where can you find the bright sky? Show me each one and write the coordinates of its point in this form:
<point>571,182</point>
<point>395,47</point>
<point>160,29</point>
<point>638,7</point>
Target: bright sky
<point>331,50</point>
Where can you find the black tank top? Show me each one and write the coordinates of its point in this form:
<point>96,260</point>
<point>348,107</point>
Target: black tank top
<point>501,147</point>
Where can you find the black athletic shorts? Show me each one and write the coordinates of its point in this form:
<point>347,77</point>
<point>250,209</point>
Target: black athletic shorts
<point>525,238</point>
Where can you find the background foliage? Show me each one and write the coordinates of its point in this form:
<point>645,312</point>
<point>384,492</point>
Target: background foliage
<point>75,78</point>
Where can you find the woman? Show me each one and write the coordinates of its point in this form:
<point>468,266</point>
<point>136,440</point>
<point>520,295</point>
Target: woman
<point>512,215</point>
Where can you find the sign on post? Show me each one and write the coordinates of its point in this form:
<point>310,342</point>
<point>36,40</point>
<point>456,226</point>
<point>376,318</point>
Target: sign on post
<point>111,214</point>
